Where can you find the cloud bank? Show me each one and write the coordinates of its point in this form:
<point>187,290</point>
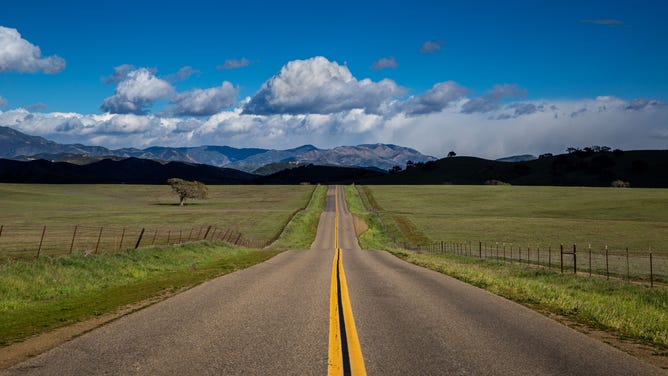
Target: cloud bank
<point>317,101</point>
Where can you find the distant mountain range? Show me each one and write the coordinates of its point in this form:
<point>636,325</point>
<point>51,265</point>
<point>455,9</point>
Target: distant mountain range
<point>20,146</point>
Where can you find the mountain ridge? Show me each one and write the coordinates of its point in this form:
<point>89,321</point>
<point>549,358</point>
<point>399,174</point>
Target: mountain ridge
<point>20,146</point>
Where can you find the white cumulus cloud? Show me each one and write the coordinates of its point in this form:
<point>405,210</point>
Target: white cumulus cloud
<point>320,86</point>
<point>17,54</point>
<point>136,91</point>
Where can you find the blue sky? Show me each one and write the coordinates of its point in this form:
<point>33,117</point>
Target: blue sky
<point>509,65</point>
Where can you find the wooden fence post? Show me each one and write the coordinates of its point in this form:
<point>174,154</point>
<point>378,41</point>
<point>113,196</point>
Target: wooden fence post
<point>120,245</point>
<point>73,236</point>
<point>607,269</point>
<point>99,237</point>
<point>155,235</point>
<point>549,257</point>
<point>561,252</point>
<point>169,236</point>
<point>589,248</point>
<point>1,227</point>
<point>628,274</point>
<point>538,257</point>
<point>575,259</point>
<point>207,232</point>
<point>141,234</point>
<point>238,238</point>
<point>191,233</point>
<point>651,271</point>
<point>479,249</point>
<point>41,240</point>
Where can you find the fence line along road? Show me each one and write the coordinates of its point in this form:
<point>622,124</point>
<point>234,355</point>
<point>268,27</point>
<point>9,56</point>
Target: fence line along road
<point>31,241</point>
<point>643,267</point>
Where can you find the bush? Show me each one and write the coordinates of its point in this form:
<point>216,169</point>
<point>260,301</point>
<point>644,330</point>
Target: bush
<point>495,182</point>
<point>620,184</point>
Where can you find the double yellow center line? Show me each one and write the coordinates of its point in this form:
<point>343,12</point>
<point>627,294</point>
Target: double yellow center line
<point>345,352</point>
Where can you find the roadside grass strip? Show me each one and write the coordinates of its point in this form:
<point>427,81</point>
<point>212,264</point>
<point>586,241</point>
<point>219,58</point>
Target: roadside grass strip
<point>38,296</point>
<point>631,310</point>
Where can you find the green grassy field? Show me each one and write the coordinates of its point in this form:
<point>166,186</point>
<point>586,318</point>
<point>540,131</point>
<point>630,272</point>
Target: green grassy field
<point>258,212</point>
<point>536,216</point>
<point>629,310</point>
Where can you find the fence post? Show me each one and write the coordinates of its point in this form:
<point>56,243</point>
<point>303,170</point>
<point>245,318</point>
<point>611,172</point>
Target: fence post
<point>479,249</point>
<point>238,238</point>
<point>120,245</point>
<point>529,255</point>
<point>155,235</point>
<point>180,235</point>
<point>207,232</point>
<point>73,236</point>
<point>99,237</point>
<point>538,257</point>
<point>191,234</point>
<point>589,259</point>
<point>607,269</point>
<point>442,249</point>
<point>141,234</point>
<point>575,259</point>
<point>1,227</point>
<point>169,236</point>
<point>561,252</point>
<point>41,240</point>
<point>651,271</point>
<point>628,274</point>
<point>549,257</point>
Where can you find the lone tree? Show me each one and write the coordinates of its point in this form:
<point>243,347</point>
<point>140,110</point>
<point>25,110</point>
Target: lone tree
<point>452,154</point>
<point>188,189</point>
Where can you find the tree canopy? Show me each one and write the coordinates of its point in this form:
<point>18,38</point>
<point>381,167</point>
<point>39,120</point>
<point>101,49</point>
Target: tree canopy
<point>188,189</point>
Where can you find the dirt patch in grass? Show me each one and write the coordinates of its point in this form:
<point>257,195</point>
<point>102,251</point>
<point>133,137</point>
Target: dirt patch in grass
<point>360,225</point>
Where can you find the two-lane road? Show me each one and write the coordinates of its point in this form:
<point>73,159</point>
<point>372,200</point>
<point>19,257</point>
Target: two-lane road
<point>274,318</point>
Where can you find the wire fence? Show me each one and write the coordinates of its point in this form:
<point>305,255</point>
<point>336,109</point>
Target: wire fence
<point>643,267</point>
<point>30,241</point>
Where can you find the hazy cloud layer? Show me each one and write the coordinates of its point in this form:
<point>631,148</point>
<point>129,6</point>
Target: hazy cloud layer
<point>492,99</point>
<point>384,63</point>
<point>17,54</point>
<point>320,86</point>
<point>436,99</point>
<point>3,102</point>
<point>233,64</point>
<point>431,46</point>
<point>529,127</point>
<point>204,102</point>
<point>136,91</point>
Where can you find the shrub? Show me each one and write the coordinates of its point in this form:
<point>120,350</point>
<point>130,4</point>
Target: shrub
<point>620,184</point>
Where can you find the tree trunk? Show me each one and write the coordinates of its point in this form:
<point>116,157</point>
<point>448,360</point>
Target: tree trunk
<point>183,199</point>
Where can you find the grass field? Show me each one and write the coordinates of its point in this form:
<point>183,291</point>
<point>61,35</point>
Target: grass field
<point>628,310</point>
<point>258,212</point>
<point>536,216</point>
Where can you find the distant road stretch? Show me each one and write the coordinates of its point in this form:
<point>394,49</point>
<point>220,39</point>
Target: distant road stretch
<point>278,318</point>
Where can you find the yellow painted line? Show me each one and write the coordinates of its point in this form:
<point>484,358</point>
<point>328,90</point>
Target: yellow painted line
<point>354,347</point>
<point>335,364</point>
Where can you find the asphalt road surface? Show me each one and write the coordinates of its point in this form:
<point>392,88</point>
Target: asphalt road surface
<point>273,319</point>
